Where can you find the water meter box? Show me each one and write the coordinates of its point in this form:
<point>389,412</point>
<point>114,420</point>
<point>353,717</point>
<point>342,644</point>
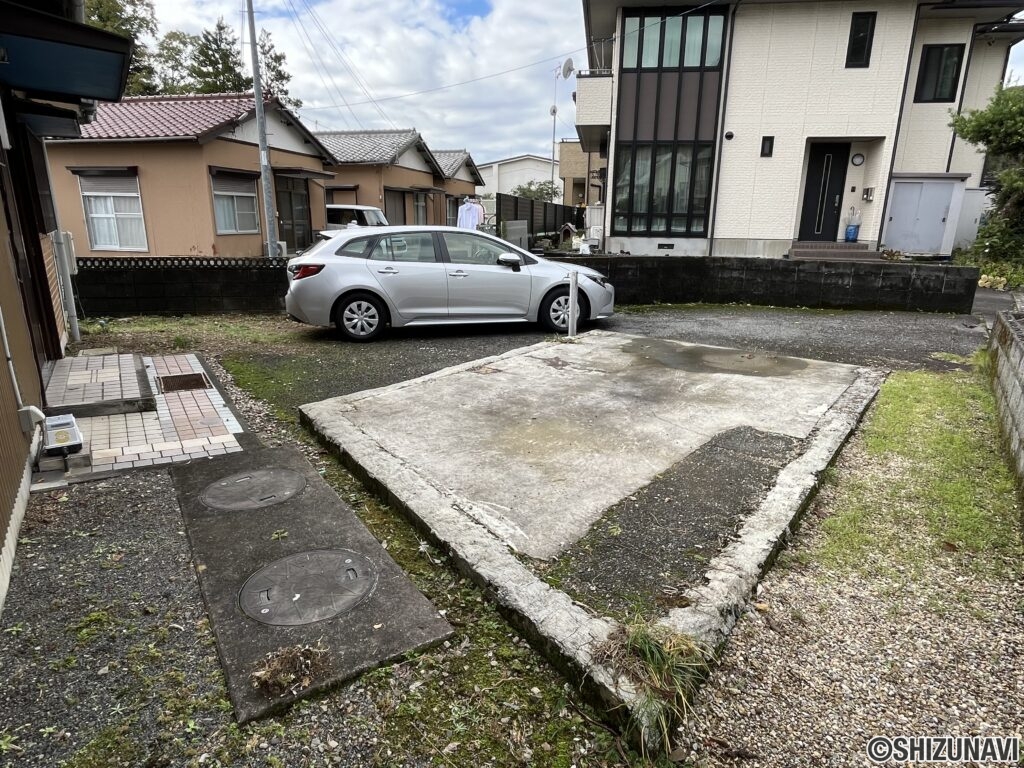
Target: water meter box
<point>61,436</point>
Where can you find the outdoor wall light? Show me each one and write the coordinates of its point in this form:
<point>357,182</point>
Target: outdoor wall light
<point>729,135</point>
<point>857,159</point>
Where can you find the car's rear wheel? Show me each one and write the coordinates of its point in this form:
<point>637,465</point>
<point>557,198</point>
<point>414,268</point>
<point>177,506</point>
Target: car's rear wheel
<point>360,317</point>
<point>554,310</point>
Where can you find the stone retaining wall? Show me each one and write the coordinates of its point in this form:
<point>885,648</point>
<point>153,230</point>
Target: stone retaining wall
<point>1007,347</point>
<point>879,284</point>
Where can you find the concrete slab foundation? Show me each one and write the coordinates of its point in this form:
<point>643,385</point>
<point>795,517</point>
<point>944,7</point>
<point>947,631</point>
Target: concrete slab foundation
<point>524,452</point>
<point>329,583</point>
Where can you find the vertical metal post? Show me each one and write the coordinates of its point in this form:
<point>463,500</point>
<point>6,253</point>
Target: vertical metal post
<point>574,294</point>
<point>261,129</point>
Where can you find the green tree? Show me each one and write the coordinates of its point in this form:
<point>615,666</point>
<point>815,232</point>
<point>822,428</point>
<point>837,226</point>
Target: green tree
<point>134,19</point>
<point>999,130</point>
<point>275,76</point>
<point>547,191</point>
<point>216,65</point>
<point>172,59</point>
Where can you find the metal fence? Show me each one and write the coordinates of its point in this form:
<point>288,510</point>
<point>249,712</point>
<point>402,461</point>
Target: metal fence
<point>540,217</point>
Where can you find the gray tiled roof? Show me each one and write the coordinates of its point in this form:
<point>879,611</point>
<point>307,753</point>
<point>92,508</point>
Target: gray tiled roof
<point>450,160</point>
<point>152,117</point>
<point>377,147</point>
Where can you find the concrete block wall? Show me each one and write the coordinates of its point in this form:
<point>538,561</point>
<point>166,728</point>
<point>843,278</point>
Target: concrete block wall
<point>1007,346</point>
<point>881,285</point>
<point>180,286</point>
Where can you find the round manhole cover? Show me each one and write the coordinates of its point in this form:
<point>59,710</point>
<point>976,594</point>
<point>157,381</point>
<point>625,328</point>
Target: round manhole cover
<point>307,587</point>
<point>253,490</point>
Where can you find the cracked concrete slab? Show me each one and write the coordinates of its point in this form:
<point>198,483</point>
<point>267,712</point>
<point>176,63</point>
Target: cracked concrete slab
<point>506,462</point>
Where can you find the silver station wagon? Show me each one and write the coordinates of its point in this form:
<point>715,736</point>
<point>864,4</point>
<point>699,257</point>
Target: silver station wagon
<point>363,280</point>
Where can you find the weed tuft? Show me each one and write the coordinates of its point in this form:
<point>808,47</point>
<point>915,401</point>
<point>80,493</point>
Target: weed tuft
<point>666,668</point>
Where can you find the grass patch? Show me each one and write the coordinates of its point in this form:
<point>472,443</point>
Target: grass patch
<point>933,479</point>
<point>666,668</point>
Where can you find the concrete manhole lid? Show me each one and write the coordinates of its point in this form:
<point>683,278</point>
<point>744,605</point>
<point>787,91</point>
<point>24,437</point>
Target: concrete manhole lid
<point>253,490</point>
<point>307,587</point>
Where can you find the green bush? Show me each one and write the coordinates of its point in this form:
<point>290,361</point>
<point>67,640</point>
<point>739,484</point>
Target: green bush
<point>998,251</point>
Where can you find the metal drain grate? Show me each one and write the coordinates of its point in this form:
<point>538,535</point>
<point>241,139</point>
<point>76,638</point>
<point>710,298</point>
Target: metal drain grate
<point>307,587</point>
<point>253,490</point>
<point>179,382</point>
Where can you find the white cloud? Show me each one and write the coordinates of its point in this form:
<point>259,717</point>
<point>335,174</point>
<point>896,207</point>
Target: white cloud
<point>402,46</point>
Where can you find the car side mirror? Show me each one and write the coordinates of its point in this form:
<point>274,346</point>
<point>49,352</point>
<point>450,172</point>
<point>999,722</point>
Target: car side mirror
<point>510,260</point>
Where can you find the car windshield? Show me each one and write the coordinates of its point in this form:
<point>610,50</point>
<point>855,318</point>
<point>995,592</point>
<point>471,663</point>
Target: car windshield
<point>375,218</point>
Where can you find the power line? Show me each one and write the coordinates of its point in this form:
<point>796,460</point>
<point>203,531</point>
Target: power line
<point>321,67</point>
<point>352,70</point>
<point>493,75</point>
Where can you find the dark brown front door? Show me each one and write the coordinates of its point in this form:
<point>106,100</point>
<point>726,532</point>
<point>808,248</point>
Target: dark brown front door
<point>394,207</point>
<point>293,212</point>
<point>823,195</point>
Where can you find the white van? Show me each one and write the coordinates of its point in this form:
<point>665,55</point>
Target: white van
<point>344,215</point>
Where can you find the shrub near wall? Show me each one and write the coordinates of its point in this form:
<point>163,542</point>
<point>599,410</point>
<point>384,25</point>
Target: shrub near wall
<point>787,283</point>
<point>118,287</point>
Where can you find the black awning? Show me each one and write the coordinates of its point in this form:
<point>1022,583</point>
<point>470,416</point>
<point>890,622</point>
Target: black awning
<point>301,173</point>
<point>48,121</point>
<point>52,57</point>
<point>217,170</point>
<point>104,170</point>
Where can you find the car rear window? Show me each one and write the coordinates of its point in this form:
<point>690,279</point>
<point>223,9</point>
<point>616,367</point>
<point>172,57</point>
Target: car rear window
<point>355,248</point>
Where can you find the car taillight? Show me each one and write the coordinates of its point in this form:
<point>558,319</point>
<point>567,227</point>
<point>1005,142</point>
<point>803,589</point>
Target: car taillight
<point>305,270</point>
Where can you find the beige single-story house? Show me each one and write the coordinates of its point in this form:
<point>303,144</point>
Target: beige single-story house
<point>179,176</point>
<point>396,171</point>
<point>461,180</point>
<point>583,174</point>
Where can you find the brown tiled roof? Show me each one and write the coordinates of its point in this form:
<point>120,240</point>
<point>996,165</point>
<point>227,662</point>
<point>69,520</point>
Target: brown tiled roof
<point>166,117</point>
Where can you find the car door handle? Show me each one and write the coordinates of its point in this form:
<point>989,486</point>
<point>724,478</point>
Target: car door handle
<point>388,271</point>
<point>459,273</point>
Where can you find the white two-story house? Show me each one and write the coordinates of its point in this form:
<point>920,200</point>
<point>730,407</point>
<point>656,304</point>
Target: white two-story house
<point>741,128</point>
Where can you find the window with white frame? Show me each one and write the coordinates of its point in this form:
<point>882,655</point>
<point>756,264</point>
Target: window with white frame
<point>113,213</point>
<point>234,204</point>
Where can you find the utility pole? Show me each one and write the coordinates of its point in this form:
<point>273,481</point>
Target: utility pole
<point>261,128</point>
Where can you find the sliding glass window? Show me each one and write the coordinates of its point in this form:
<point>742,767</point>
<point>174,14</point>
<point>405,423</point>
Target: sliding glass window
<point>669,90</point>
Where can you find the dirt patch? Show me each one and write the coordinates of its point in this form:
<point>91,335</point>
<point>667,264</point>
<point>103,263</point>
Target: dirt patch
<point>645,551</point>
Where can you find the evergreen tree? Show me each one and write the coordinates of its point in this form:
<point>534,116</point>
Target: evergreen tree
<point>275,76</point>
<point>134,19</point>
<point>216,65</point>
<point>172,59</point>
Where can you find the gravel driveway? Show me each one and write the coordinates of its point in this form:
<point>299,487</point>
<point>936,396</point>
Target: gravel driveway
<point>107,659</point>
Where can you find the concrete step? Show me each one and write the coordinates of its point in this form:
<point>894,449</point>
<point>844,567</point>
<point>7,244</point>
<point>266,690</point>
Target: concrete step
<point>827,245</point>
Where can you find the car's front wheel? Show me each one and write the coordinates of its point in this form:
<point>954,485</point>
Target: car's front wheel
<point>360,317</point>
<point>554,310</point>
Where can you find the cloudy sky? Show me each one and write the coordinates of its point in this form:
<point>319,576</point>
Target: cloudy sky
<point>397,47</point>
<point>341,50</point>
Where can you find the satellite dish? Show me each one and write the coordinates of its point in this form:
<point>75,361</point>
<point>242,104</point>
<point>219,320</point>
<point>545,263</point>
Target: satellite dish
<point>567,69</point>
<point>553,111</point>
